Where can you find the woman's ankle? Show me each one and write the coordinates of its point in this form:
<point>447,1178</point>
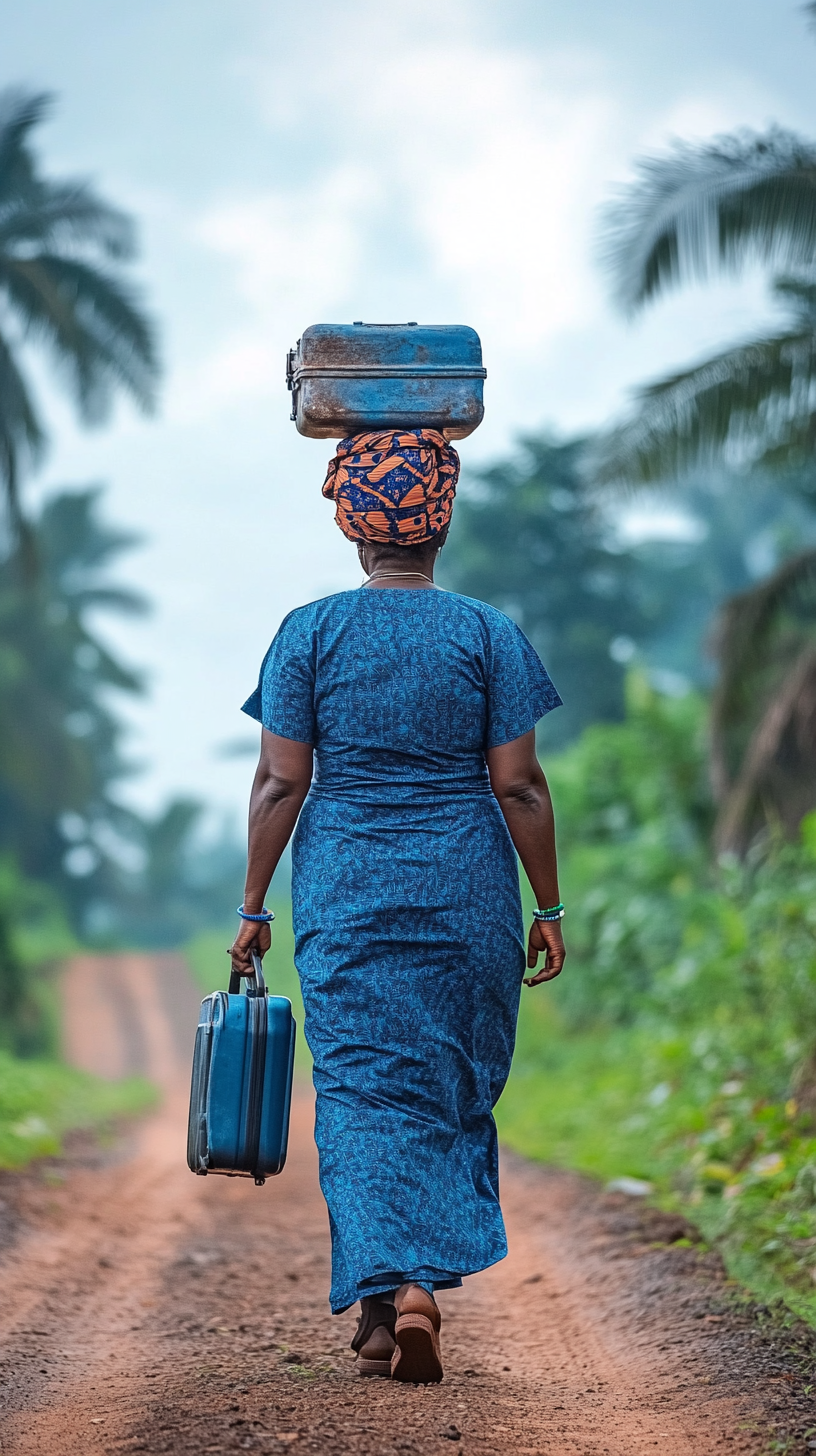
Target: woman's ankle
<point>368,1301</point>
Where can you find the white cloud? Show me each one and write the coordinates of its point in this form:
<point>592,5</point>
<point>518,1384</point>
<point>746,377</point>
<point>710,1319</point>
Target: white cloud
<point>469,198</point>
<point>447,174</point>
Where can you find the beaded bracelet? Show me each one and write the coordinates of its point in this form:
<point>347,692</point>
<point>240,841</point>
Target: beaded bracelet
<point>265,918</point>
<point>555,912</point>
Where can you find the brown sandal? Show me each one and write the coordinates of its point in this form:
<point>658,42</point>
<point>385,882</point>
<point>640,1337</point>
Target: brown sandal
<point>418,1356</point>
<point>374,1340</point>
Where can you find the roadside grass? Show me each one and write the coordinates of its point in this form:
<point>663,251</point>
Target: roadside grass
<point>42,1100</point>
<point>635,1102</point>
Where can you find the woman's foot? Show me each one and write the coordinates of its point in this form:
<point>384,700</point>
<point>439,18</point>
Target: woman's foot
<point>374,1340</point>
<point>418,1356</point>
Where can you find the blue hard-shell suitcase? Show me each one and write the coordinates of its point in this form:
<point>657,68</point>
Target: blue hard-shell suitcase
<point>349,378</point>
<point>242,1081</point>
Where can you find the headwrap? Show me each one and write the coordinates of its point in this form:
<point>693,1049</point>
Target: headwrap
<point>393,485</point>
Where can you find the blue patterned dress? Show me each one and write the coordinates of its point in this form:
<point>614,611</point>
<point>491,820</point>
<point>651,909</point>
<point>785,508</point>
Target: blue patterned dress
<point>408,929</point>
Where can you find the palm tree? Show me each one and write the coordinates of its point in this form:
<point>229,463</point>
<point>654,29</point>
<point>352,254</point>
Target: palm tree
<point>693,212</point>
<point>60,733</point>
<point>696,211</point>
<point>763,712</point>
<point>63,252</point>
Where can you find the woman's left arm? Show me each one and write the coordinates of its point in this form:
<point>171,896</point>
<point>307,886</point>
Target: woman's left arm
<point>282,781</point>
<point>517,779</point>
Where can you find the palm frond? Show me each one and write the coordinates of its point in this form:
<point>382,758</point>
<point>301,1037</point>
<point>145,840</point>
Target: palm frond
<point>20,111</point>
<point>703,208</point>
<point>91,321</point>
<point>799,295</point>
<point>21,434</point>
<point>65,216</point>
<point>115,599</point>
<point>60,247</point>
<point>74,539</point>
<point>741,405</point>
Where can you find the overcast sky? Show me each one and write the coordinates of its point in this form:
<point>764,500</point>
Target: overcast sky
<point>440,160</point>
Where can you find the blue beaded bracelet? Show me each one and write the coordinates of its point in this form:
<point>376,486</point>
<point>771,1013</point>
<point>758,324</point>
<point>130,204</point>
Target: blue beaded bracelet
<point>265,918</point>
<point>555,912</point>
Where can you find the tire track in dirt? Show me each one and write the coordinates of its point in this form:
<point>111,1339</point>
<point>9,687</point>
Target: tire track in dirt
<point>147,1310</point>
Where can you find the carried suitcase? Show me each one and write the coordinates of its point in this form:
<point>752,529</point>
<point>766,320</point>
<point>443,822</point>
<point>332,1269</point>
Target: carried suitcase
<point>242,1081</point>
<point>350,378</point>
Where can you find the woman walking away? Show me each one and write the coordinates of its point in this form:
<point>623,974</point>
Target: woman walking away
<point>420,707</point>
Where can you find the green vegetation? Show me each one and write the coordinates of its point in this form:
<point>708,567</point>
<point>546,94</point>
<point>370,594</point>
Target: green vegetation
<point>33,932</point>
<point>41,1100</point>
<point>679,1045</point>
<point>520,522</point>
<point>120,876</point>
<point>534,537</point>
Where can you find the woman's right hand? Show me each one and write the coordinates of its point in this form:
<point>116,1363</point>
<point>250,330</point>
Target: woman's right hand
<point>546,936</point>
<point>252,936</point>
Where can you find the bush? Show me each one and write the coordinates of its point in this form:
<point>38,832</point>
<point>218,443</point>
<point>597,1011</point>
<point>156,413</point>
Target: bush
<point>33,932</point>
<point>633,814</point>
<point>680,1044</point>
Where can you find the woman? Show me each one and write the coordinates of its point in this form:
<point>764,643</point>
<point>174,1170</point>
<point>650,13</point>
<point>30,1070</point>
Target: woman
<point>420,707</point>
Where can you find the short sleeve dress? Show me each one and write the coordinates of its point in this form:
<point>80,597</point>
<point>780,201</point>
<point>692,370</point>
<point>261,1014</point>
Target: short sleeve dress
<point>408,929</point>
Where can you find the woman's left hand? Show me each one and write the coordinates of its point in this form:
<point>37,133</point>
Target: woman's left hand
<point>252,936</point>
<point>545,936</point>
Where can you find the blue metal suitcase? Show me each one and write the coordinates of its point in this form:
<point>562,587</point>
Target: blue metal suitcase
<point>350,378</point>
<point>242,1081</point>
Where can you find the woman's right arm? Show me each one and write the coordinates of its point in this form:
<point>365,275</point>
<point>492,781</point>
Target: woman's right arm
<point>282,781</point>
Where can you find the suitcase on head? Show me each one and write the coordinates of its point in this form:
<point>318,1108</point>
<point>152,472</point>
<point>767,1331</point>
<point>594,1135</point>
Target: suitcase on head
<point>242,1081</point>
<point>350,378</point>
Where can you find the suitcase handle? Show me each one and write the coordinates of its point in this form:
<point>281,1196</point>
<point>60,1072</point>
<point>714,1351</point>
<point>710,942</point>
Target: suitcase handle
<point>255,976</point>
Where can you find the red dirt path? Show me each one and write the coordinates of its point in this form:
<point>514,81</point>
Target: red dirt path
<point>143,1309</point>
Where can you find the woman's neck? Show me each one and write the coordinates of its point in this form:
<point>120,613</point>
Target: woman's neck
<point>388,573</point>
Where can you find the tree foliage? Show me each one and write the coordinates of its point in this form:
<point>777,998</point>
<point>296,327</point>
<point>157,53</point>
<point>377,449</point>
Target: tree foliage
<point>530,538</point>
<point>752,404</point>
<point>122,874</point>
<point>61,752</point>
<point>712,206</point>
<point>64,252</point>
<point>691,212</point>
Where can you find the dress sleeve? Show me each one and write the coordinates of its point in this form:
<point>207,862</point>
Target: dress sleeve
<point>519,689</point>
<point>283,701</point>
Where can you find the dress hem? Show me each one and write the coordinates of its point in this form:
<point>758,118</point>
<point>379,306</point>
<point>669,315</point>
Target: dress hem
<point>388,1282</point>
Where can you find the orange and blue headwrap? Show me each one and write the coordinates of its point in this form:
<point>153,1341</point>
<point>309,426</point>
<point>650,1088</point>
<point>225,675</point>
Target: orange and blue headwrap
<point>394,485</point>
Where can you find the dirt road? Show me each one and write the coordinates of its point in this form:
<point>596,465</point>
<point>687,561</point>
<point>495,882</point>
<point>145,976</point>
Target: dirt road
<point>145,1310</point>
